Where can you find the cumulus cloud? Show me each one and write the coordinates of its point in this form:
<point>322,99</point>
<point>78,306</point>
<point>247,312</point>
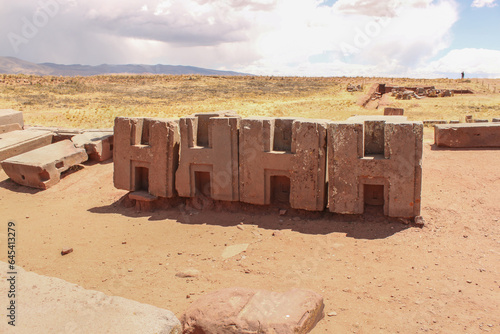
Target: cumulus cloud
<point>378,8</point>
<point>481,62</point>
<point>484,3</point>
<point>280,37</point>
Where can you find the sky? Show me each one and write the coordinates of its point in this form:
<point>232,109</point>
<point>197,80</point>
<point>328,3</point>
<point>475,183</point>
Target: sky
<point>392,38</point>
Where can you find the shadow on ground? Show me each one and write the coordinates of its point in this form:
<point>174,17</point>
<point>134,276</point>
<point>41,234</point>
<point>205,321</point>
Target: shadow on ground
<point>371,225</point>
<point>434,147</point>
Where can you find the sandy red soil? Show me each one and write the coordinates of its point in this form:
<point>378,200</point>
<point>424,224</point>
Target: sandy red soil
<point>377,275</point>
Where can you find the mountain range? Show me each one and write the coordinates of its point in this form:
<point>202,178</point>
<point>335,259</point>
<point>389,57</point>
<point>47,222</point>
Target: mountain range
<point>12,65</point>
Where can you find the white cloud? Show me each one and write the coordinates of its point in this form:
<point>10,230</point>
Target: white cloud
<point>480,62</point>
<point>484,3</point>
<point>280,37</point>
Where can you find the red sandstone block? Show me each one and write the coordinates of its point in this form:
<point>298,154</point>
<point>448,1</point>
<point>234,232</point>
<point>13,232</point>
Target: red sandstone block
<point>42,168</point>
<point>375,162</point>
<point>394,111</point>
<point>283,160</point>
<point>146,155</point>
<point>99,145</point>
<point>209,156</point>
<point>468,135</point>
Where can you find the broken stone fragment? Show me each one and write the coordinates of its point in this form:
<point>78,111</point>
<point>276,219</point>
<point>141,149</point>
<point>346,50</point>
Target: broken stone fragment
<point>241,310</point>
<point>66,251</point>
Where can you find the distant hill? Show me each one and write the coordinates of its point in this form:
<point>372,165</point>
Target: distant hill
<point>11,65</point>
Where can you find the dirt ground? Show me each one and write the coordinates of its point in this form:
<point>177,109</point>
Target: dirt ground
<point>376,275</point>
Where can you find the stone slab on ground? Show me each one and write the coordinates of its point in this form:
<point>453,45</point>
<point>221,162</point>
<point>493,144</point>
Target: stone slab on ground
<point>10,127</point>
<point>42,168</point>
<point>363,118</point>
<point>242,310</point>
<point>99,145</point>
<point>467,135</point>
<point>434,122</point>
<point>9,116</point>
<point>51,305</point>
<point>394,111</point>
<point>496,119</point>
<point>17,142</point>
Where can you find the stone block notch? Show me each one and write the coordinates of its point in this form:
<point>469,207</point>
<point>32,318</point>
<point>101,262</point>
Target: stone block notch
<point>209,156</point>
<point>375,162</point>
<point>145,155</point>
<point>283,160</point>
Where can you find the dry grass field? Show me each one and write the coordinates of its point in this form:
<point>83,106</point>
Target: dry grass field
<point>94,102</point>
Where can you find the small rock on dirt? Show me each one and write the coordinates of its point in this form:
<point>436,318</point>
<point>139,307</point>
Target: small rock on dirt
<point>282,212</point>
<point>332,314</point>
<point>234,250</point>
<point>190,272</point>
<point>419,220</point>
<point>66,251</point>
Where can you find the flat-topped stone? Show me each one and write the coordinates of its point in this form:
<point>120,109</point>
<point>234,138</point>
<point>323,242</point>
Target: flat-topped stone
<point>394,111</point>
<point>467,135</point>
<point>242,310</point>
<point>9,116</point>
<point>391,119</point>
<point>98,144</point>
<point>69,308</point>
<point>479,120</point>
<point>496,119</point>
<point>435,121</point>
<point>17,142</point>
<point>42,168</point>
<point>10,127</point>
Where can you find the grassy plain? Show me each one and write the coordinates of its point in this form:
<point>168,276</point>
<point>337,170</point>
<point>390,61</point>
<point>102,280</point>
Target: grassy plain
<point>94,102</point>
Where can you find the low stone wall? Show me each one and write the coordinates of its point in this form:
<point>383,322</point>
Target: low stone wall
<point>467,135</point>
<point>281,161</point>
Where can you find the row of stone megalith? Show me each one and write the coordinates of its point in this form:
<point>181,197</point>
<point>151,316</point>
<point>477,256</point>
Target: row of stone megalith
<point>309,164</point>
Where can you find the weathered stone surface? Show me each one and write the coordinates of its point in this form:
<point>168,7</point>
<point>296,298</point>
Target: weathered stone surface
<point>42,168</point>
<point>10,116</point>
<point>146,155</point>
<point>240,310</point>
<point>20,141</point>
<point>478,120</point>
<point>467,135</point>
<point>10,127</point>
<point>283,160</point>
<point>51,305</point>
<point>99,145</point>
<point>454,121</point>
<point>209,156</point>
<point>434,122</point>
<point>394,111</point>
<point>362,118</point>
<point>496,119</point>
<point>375,162</point>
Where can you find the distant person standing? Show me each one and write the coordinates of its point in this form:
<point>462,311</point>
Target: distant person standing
<point>463,75</point>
